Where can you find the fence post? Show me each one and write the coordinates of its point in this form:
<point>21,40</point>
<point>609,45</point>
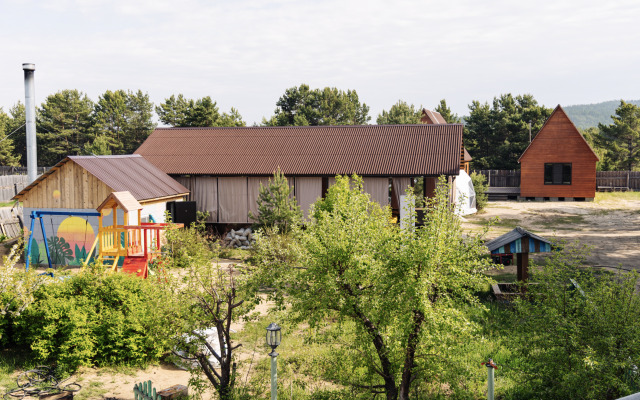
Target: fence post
<point>490,378</point>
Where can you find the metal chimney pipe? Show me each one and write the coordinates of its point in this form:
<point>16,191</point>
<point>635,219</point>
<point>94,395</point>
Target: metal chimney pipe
<point>30,120</point>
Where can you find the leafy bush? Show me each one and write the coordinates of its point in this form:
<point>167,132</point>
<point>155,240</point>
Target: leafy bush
<point>580,336</point>
<point>187,246</point>
<point>481,187</point>
<point>16,288</point>
<point>90,319</point>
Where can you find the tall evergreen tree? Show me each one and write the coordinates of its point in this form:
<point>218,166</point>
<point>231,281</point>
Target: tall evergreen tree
<point>300,106</point>
<point>496,136</point>
<point>16,123</point>
<point>181,112</point>
<point>8,156</point>
<point>64,123</point>
<point>140,122</point>
<point>400,113</point>
<point>124,119</point>
<point>446,113</point>
<point>621,139</point>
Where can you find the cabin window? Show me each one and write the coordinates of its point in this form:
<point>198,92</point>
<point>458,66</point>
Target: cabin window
<point>557,174</point>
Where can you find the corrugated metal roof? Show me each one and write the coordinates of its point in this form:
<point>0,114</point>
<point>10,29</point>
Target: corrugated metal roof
<point>372,150</point>
<point>130,173</point>
<point>514,235</point>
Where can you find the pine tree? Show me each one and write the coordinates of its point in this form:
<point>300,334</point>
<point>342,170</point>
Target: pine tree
<point>276,207</point>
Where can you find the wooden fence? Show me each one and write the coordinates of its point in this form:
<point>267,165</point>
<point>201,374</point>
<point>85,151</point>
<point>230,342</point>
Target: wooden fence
<point>605,180</point>
<point>501,177</point>
<point>612,180</point>
<point>9,223</point>
<point>4,170</point>
<point>10,185</point>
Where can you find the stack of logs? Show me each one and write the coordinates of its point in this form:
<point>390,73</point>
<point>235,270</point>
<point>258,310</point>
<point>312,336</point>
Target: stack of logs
<point>242,238</point>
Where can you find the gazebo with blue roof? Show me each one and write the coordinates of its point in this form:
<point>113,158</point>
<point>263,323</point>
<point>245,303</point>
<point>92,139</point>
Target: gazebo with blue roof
<point>521,242</point>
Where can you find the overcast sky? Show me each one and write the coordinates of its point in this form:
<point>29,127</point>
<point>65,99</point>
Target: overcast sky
<point>245,53</point>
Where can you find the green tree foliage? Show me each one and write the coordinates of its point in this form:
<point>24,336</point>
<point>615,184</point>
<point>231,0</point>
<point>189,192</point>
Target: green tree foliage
<point>124,119</point>
<point>581,336</point>
<point>481,187</point>
<point>277,208</point>
<point>210,297</point>
<point>446,113</point>
<point>204,112</point>
<point>621,139</point>
<point>64,124</point>
<point>8,156</point>
<point>398,286</point>
<point>400,113</point>
<point>497,135</point>
<point>99,147</point>
<point>16,123</point>
<point>302,106</point>
<point>91,319</point>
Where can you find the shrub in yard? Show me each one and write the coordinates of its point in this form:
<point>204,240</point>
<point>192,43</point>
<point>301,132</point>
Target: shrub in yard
<point>16,288</point>
<point>277,208</point>
<point>481,187</point>
<point>400,286</point>
<point>89,319</point>
<point>579,333</point>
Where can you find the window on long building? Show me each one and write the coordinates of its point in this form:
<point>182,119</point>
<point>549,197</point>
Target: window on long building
<point>557,174</point>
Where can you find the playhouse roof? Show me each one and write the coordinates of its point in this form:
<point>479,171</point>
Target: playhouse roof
<point>131,173</point>
<point>511,242</point>
<point>370,150</point>
<point>124,200</point>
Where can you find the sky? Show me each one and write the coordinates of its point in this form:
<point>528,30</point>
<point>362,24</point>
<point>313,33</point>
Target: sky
<point>246,53</point>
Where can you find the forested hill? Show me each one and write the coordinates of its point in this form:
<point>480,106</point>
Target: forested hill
<point>588,115</point>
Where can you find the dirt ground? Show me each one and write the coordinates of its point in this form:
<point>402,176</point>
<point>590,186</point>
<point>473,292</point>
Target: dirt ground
<point>610,225</point>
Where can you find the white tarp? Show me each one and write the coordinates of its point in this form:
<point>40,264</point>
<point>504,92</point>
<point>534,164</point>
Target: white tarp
<point>465,194</point>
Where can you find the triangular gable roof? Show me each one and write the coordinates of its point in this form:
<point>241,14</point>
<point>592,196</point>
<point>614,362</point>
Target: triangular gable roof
<point>509,237</point>
<point>559,113</point>
<point>124,200</point>
<point>432,117</point>
<point>130,172</point>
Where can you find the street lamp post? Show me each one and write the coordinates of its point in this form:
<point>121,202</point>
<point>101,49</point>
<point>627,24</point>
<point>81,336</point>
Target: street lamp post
<point>274,336</point>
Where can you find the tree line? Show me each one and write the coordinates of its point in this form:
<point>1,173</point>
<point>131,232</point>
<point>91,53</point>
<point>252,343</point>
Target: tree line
<point>495,134</point>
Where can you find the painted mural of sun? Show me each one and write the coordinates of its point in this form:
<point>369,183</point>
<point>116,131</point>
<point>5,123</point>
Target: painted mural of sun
<point>76,231</point>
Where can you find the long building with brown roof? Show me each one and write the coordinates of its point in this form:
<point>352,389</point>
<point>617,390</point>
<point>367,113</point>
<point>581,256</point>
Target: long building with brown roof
<point>223,167</point>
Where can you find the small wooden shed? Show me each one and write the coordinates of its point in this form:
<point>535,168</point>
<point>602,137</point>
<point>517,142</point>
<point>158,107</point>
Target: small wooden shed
<point>82,183</point>
<point>559,164</point>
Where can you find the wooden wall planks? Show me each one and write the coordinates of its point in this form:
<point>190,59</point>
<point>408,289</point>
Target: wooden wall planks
<point>559,141</point>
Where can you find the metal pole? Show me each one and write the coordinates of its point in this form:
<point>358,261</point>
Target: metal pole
<point>490,386</point>
<point>274,375</point>
<point>30,120</point>
<point>529,131</point>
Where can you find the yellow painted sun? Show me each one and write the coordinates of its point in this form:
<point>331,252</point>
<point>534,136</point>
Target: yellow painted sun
<point>77,231</point>
<point>56,194</point>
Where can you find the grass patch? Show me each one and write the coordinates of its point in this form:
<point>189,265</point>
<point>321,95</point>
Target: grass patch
<point>7,203</point>
<point>610,197</point>
<point>505,277</point>
<point>91,391</point>
<point>561,222</point>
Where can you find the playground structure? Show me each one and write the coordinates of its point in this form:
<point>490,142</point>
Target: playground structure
<point>134,246</point>
<point>137,245</point>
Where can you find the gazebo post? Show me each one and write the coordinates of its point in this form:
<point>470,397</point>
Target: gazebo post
<point>523,260</point>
